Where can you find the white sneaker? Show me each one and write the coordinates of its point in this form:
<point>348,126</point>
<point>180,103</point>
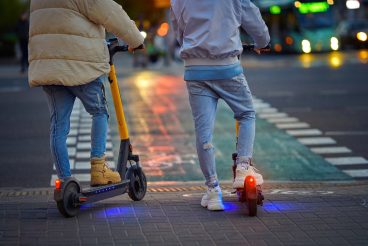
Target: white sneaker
<point>244,170</point>
<point>212,199</point>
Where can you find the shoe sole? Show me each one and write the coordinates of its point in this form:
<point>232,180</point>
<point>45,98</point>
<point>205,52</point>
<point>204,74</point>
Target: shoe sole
<point>215,206</point>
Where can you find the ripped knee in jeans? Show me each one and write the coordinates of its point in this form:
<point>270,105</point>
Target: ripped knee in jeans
<point>207,146</point>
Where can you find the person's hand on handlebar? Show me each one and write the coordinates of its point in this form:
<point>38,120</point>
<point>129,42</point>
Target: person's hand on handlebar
<point>140,47</point>
<point>261,50</point>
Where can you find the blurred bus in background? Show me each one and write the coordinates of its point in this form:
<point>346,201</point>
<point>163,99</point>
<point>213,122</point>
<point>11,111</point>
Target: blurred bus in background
<point>302,26</point>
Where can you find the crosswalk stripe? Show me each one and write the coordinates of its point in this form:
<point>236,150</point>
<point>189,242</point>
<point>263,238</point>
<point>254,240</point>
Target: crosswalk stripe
<point>354,160</point>
<point>82,165</point>
<point>292,125</point>
<point>72,151</point>
<point>316,140</point>
<point>306,132</point>
<point>282,120</point>
<point>272,115</point>
<point>267,110</point>
<point>357,173</point>
<point>330,150</point>
<point>259,105</point>
<point>71,141</point>
<point>73,132</point>
<point>81,177</point>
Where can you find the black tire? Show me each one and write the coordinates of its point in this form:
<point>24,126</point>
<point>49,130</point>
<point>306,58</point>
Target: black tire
<point>242,195</point>
<point>67,206</point>
<point>252,207</point>
<point>137,184</point>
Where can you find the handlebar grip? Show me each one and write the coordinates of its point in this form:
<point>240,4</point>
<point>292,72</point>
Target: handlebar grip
<point>140,47</point>
<point>248,47</point>
<point>122,48</point>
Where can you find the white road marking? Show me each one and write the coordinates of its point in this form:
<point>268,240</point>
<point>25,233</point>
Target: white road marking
<point>71,141</point>
<point>87,145</point>
<point>83,155</point>
<point>82,165</point>
<point>330,150</point>
<point>257,100</point>
<point>346,133</point>
<point>267,110</point>
<point>73,132</point>
<point>84,145</point>
<point>316,141</point>
<point>283,120</point>
<point>292,125</point>
<point>357,173</point>
<point>306,132</point>
<point>355,160</point>
<point>87,138</point>
<point>272,115</point>
<point>83,177</point>
<point>72,151</point>
<point>259,105</point>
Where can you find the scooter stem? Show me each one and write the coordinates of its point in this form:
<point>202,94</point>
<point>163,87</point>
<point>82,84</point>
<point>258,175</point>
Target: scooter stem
<point>119,109</point>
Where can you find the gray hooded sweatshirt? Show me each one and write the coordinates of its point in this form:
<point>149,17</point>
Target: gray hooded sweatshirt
<point>208,30</point>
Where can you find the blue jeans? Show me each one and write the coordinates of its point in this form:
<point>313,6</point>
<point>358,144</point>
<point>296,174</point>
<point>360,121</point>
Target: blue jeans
<point>60,101</point>
<point>203,98</point>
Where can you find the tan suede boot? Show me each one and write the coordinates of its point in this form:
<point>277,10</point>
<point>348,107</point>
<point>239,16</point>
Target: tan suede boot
<point>101,174</point>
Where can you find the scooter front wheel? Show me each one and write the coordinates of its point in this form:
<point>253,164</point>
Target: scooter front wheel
<point>137,184</point>
<point>68,206</point>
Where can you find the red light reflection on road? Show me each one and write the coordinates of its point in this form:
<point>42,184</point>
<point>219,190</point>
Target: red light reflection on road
<point>157,106</point>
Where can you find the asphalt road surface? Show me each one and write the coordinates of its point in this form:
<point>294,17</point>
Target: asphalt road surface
<point>321,97</point>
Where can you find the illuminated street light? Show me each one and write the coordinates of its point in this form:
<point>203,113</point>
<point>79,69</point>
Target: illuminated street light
<point>352,4</point>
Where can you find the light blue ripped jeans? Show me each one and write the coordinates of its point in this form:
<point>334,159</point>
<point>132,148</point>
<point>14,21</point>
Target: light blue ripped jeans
<point>203,98</point>
<point>60,101</point>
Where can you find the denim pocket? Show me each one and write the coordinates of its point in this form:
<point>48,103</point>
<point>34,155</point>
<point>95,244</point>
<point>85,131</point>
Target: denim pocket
<point>195,88</point>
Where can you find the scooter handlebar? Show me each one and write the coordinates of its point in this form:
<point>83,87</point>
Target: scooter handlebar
<point>251,47</point>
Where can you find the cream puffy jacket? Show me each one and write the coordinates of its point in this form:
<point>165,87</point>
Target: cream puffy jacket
<point>67,39</point>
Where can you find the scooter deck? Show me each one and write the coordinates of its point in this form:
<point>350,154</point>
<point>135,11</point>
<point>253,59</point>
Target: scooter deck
<point>94,194</point>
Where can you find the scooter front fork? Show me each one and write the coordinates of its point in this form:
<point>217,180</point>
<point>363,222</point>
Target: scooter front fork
<point>234,155</point>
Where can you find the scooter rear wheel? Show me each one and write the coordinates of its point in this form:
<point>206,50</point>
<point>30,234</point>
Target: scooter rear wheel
<point>138,183</point>
<point>252,207</point>
<point>67,206</point>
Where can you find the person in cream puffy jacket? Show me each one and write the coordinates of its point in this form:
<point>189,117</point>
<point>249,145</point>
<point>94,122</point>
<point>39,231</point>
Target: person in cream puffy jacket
<point>68,57</point>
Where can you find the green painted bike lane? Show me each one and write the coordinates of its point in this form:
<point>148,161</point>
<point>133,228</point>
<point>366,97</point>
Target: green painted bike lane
<point>161,128</point>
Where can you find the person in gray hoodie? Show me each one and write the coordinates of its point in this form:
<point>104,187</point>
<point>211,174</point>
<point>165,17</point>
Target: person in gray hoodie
<point>209,34</point>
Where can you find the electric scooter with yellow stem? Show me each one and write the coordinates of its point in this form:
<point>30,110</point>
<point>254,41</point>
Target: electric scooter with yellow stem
<point>68,193</point>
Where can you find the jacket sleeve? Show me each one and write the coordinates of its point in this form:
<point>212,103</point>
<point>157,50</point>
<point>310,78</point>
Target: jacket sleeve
<point>174,24</point>
<point>112,16</point>
<point>253,24</point>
